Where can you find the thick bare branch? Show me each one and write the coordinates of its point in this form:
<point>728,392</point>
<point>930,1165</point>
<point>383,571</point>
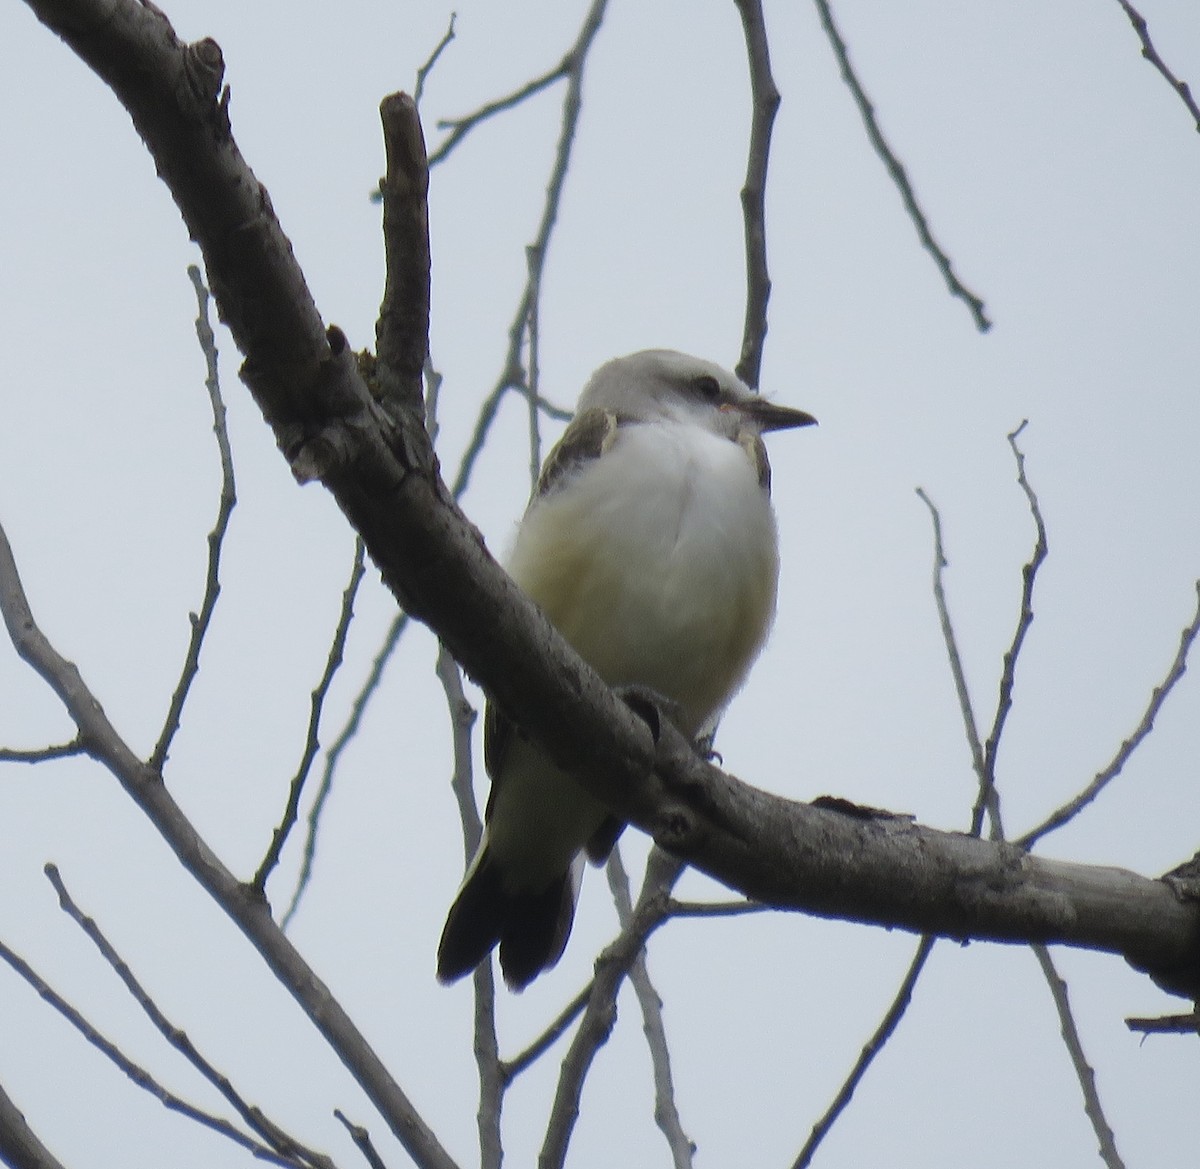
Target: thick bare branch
<point>20,1147</point>
<point>402,331</point>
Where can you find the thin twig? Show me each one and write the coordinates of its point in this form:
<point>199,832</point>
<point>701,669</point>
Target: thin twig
<point>312,743</point>
<point>284,1145</point>
<point>951,641</point>
<point>716,908</point>
<point>1151,54</point>
<point>1083,1070</point>
<point>985,765</point>
<point>1166,1024</point>
<point>764,103</point>
<point>511,1068</point>
<point>424,71</point>
<point>988,798</point>
<point>362,1140</point>
<point>216,538</point>
<point>511,376</point>
<point>666,1111</point>
<point>41,754</point>
<point>460,127</point>
<point>873,1046</point>
<point>492,1081</point>
<point>896,169</point>
<point>1104,777</point>
<point>462,721</point>
<point>612,968</point>
<point>135,1072</point>
<point>344,737</point>
<point>533,332</point>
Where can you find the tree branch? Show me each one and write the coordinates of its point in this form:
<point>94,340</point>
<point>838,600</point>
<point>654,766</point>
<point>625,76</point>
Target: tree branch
<point>895,168</point>
<point>20,1147</point>
<point>764,102</point>
<point>216,538</point>
<point>1151,54</point>
<point>290,1151</point>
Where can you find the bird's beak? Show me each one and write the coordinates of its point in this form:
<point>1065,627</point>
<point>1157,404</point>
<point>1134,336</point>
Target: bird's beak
<point>771,416</point>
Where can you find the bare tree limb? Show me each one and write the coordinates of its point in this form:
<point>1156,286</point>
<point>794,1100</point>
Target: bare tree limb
<point>41,754</point>
<point>1103,778</point>
<point>424,71</point>
<point>896,169</point>
<point>1166,1025</point>
<point>1151,54</point>
<point>599,1016</point>
<point>988,797</point>
<point>402,331</point>
<point>492,1081</point>
<point>970,726</point>
<point>666,1111</point>
<point>874,1045</point>
<point>337,648</point>
<point>1083,1070</point>
<point>985,766</point>
<point>362,1140</point>
<point>764,102</point>
<point>512,375</point>
<point>715,908</point>
<point>511,1068</point>
<point>342,740</point>
<point>216,538</point>
<point>135,1072</point>
<point>20,1147</point>
<point>285,1145</point>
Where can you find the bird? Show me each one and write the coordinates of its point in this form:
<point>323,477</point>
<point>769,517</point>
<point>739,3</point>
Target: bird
<point>650,543</point>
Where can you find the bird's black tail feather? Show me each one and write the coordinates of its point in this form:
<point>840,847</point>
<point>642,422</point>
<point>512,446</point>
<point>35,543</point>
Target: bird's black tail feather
<point>531,928</point>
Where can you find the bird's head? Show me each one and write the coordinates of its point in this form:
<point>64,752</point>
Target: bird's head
<point>661,384</point>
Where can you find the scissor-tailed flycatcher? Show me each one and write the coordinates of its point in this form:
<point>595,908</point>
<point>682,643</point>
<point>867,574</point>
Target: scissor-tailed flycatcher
<point>650,543</point>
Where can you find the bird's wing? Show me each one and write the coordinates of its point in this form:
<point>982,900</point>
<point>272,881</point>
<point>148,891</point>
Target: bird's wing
<point>588,436</point>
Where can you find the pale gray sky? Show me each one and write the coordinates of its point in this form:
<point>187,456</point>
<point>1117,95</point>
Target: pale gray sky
<point>1059,171</point>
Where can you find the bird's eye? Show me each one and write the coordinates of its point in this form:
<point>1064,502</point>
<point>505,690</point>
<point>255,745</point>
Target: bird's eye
<point>707,387</point>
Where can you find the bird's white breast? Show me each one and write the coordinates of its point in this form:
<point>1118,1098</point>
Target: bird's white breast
<point>658,562</point>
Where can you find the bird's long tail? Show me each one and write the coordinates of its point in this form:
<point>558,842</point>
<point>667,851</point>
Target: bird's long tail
<point>531,928</point>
